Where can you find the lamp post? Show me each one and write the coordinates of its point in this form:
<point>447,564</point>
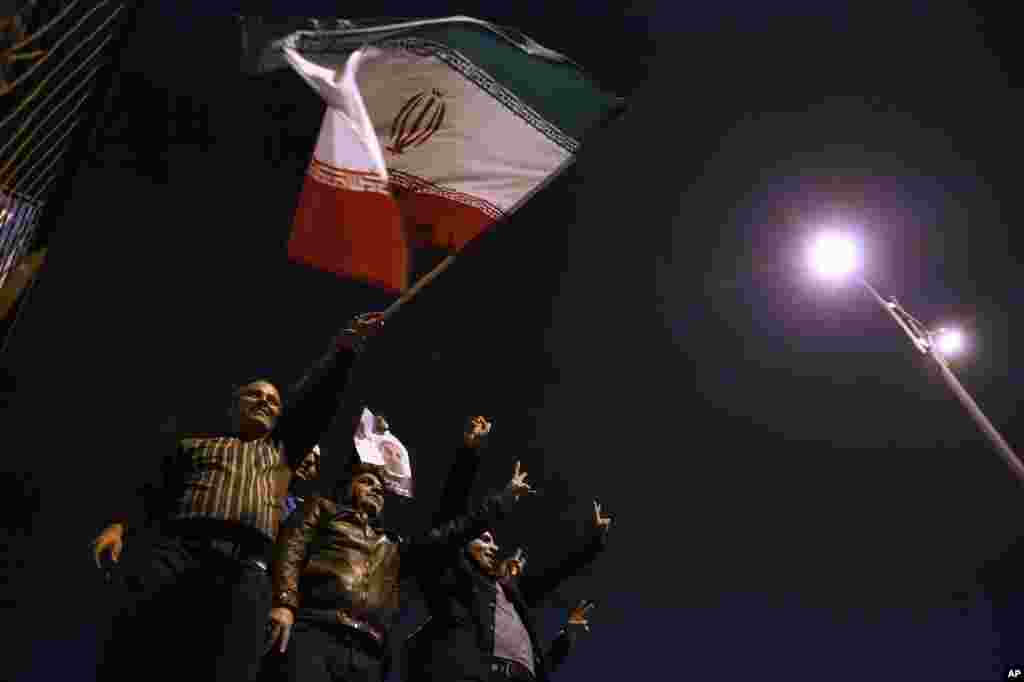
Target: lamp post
<point>833,254</point>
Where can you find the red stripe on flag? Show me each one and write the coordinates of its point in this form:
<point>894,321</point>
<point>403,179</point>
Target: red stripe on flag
<point>354,234</point>
<point>443,217</point>
<point>441,222</point>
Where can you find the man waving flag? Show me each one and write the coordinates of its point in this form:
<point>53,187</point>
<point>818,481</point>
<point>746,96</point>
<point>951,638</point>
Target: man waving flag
<point>471,119</point>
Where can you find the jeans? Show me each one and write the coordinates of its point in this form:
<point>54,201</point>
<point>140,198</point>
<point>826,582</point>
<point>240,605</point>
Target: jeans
<point>326,653</point>
<point>187,611</point>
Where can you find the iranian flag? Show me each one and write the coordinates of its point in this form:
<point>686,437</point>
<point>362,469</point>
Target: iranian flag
<point>347,222</point>
<point>470,120</point>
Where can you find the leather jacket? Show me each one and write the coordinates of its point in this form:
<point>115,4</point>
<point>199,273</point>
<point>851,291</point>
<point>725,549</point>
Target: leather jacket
<point>331,567</point>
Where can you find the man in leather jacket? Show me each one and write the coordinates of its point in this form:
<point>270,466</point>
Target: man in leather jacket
<point>337,578</point>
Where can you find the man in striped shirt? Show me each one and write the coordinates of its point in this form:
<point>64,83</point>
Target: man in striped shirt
<point>198,597</point>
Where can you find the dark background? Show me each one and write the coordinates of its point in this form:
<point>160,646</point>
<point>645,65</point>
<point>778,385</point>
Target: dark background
<point>796,493</point>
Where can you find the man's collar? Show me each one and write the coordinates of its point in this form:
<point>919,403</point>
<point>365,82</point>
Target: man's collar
<point>346,510</point>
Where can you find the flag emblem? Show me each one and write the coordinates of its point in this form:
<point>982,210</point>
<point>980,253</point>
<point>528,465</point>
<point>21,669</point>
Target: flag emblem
<point>417,120</point>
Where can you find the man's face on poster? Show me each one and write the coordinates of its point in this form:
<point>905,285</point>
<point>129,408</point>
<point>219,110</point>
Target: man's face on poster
<point>393,460</point>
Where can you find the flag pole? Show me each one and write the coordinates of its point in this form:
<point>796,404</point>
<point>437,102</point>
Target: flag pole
<point>423,281</point>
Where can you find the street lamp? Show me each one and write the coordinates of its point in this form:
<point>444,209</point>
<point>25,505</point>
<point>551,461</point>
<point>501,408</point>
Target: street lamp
<point>834,254</point>
<point>949,342</point>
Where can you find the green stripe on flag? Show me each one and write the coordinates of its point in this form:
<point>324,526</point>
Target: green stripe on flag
<point>558,91</point>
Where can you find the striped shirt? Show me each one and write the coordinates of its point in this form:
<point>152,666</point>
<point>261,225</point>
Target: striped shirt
<point>229,479</point>
<point>225,478</point>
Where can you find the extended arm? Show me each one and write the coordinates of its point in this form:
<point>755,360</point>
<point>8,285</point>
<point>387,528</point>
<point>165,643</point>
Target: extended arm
<point>535,587</point>
<point>459,531</point>
<point>319,394</point>
<point>562,645</point>
<point>455,494</point>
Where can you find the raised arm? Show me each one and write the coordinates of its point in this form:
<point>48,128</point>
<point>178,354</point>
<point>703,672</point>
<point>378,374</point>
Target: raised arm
<point>535,587</point>
<point>457,487</point>
<point>421,552</point>
<point>577,623</point>
<point>319,395</point>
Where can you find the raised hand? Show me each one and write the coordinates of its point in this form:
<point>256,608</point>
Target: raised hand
<point>518,485</point>
<point>601,523</point>
<point>360,329</point>
<point>578,617</point>
<point>515,564</point>
<point>477,430</point>
<point>110,540</point>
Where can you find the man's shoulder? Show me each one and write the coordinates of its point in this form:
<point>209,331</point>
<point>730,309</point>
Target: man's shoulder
<point>194,440</point>
<point>325,503</point>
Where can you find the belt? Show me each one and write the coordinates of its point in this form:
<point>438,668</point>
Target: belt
<point>340,617</point>
<point>244,551</point>
<point>240,552</point>
<point>513,670</point>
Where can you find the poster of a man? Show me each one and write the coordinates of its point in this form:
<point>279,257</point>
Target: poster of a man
<point>394,459</point>
<point>375,444</point>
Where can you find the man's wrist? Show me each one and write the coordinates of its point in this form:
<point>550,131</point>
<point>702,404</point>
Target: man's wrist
<point>286,599</point>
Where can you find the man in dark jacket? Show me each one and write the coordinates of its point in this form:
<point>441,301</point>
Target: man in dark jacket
<point>482,629</point>
<point>337,578</point>
<point>416,650</point>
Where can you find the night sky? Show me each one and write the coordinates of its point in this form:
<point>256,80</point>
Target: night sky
<point>797,495</point>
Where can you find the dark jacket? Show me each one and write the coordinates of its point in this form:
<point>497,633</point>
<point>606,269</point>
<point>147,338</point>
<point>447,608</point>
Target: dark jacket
<point>417,650</point>
<point>329,566</point>
<point>458,639</point>
<point>462,602</point>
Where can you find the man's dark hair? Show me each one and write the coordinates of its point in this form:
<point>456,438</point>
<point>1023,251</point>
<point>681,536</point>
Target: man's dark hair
<point>356,467</point>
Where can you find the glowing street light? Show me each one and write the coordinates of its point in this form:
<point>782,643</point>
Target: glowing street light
<point>834,254</point>
<point>949,342</point>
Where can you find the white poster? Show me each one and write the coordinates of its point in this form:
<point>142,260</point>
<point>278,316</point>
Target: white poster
<point>375,444</point>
